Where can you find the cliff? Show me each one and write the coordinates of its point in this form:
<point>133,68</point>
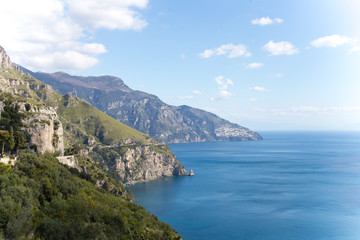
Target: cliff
<point>40,123</point>
<point>147,113</point>
<point>132,155</point>
<point>55,123</point>
<point>44,128</point>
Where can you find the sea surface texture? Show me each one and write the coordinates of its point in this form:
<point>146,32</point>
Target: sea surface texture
<point>291,185</point>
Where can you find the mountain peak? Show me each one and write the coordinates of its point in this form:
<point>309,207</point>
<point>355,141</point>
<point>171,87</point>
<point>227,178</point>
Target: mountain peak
<point>5,61</point>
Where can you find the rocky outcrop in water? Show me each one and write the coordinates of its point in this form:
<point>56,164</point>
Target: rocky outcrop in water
<point>142,163</point>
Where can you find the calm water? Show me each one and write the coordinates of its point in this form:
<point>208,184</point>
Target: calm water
<point>292,185</point>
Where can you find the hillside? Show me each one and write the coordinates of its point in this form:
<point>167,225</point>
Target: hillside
<point>42,199</point>
<point>67,123</point>
<point>146,112</point>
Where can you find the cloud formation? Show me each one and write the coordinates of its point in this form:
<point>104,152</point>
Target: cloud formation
<point>53,35</point>
<point>255,65</point>
<point>230,50</point>
<point>354,49</point>
<point>223,85</point>
<point>197,92</point>
<point>109,14</point>
<point>331,41</point>
<point>324,109</point>
<point>266,21</point>
<point>259,89</point>
<point>280,48</point>
<point>301,110</point>
<point>186,97</point>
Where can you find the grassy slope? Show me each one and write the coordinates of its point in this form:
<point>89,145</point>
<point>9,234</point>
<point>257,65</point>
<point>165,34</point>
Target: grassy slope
<point>79,114</point>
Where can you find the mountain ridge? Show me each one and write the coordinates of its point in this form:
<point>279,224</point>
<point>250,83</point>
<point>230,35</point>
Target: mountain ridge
<point>146,112</point>
<point>131,155</point>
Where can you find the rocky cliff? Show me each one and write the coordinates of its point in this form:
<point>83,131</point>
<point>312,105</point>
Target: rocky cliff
<point>41,124</point>
<point>146,112</point>
<point>54,122</point>
<point>133,156</point>
<point>44,127</point>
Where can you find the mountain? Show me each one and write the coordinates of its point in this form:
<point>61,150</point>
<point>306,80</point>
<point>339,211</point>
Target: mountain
<point>44,199</point>
<point>55,123</point>
<point>145,112</point>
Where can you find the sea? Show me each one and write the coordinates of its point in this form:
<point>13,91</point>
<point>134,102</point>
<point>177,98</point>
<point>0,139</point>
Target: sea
<point>291,185</point>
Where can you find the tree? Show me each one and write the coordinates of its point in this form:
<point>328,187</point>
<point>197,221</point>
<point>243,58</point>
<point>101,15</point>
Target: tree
<point>4,136</point>
<point>11,139</point>
<point>20,140</point>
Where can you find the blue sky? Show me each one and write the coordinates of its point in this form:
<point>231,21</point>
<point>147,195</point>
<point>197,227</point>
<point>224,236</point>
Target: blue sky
<point>267,65</point>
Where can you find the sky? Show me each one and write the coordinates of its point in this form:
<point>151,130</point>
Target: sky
<point>266,65</point>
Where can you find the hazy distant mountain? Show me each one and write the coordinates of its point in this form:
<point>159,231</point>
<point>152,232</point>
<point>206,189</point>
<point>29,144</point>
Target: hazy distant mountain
<point>146,112</point>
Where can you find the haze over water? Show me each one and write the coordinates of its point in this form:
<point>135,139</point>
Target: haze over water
<point>291,185</point>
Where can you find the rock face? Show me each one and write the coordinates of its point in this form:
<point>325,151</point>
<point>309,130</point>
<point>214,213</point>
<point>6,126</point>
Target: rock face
<point>117,148</point>
<point>133,156</point>
<point>147,113</point>
<point>41,123</point>
<point>142,163</point>
<point>5,61</point>
<point>44,128</point>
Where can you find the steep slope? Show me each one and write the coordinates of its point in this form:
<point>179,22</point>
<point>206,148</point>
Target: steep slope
<point>119,149</point>
<point>42,199</point>
<point>146,112</point>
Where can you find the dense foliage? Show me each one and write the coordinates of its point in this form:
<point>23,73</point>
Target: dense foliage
<point>12,137</point>
<point>41,198</point>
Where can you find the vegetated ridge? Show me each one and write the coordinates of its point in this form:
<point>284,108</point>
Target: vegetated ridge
<point>43,199</point>
<point>71,125</point>
<point>146,112</point>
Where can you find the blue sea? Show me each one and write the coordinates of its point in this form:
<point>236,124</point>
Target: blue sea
<point>291,185</point>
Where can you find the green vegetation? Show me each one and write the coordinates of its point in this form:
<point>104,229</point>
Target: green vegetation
<point>41,198</point>
<point>85,120</point>
<point>11,135</point>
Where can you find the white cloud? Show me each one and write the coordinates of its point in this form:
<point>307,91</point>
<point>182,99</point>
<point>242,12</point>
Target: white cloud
<point>231,50</point>
<point>252,99</point>
<point>280,48</point>
<point>305,109</point>
<point>221,95</point>
<point>302,110</point>
<point>53,35</point>
<point>266,21</point>
<point>108,14</point>
<point>259,89</point>
<point>354,49</point>
<point>223,85</point>
<point>330,41</point>
<point>255,65</point>
<point>182,56</point>
<point>186,97</point>
<point>324,109</point>
<point>197,92</point>
<point>62,60</point>
<point>279,75</point>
